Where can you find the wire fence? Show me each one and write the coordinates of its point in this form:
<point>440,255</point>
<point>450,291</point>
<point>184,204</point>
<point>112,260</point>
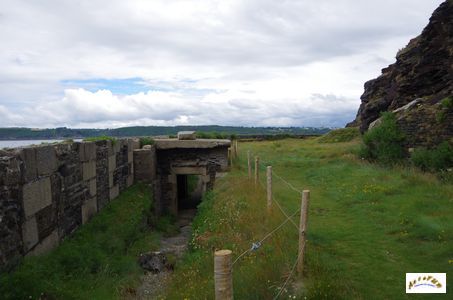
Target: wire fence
<point>288,219</point>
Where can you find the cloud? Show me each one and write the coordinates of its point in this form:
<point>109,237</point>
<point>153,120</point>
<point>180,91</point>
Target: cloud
<point>106,62</point>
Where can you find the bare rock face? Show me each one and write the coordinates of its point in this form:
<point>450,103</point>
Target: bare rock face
<point>423,69</point>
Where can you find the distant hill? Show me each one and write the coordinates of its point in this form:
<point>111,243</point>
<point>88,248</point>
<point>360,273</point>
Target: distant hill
<point>66,133</point>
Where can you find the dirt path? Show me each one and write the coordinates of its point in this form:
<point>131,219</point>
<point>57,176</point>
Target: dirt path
<point>153,285</point>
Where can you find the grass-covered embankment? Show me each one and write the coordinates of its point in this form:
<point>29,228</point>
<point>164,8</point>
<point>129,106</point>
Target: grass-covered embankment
<point>98,262</point>
<point>368,225</point>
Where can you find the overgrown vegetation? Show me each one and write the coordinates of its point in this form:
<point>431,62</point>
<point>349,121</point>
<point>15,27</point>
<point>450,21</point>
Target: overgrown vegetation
<point>212,135</point>
<point>367,226</point>
<point>340,135</point>
<point>100,138</point>
<point>146,140</point>
<point>98,262</point>
<point>434,160</point>
<point>446,106</point>
<point>384,143</point>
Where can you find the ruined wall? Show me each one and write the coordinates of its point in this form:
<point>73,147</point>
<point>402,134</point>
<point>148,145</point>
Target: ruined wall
<point>47,192</point>
<point>210,160</point>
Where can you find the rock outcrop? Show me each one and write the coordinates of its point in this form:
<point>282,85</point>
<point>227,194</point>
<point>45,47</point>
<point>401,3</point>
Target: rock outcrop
<point>424,71</point>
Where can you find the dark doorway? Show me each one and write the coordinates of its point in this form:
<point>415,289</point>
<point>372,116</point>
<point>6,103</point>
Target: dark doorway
<point>189,189</point>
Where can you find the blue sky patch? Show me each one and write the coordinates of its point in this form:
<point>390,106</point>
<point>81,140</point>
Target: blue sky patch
<point>124,86</point>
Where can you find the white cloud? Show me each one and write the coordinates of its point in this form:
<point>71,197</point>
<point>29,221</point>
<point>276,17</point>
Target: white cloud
<point>253,62</point>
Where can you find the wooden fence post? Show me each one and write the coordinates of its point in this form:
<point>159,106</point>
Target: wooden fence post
<point>249,164</point>
<point>223,275</point>
<point>230,156</point>
<point>303,229</point>
<point>269,188</point>
<point>236,152</point>
<point>257,170</point>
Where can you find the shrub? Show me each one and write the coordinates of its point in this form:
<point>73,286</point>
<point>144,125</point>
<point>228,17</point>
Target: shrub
<point>146,141</point>
<point>340,135</point>
<point>385,142</point>
<point>434,160</point>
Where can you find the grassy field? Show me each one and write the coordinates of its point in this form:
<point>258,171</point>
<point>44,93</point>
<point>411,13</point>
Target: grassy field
<point>98,262</point>
<point>368,225</point>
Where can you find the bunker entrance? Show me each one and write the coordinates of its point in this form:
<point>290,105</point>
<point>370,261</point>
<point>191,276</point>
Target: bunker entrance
<point>189,191</point>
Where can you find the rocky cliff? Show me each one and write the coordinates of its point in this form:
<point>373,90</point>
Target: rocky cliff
<point>424,71</point>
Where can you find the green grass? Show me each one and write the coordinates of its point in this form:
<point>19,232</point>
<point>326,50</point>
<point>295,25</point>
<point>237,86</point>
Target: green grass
<point>340,135</point>
<point>98,262</point>
<point>368,225</point>
<point>100,138</point>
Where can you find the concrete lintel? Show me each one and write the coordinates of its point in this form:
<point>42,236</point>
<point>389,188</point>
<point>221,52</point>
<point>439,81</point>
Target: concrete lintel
<point>164,144</point>
<point>189,170</point>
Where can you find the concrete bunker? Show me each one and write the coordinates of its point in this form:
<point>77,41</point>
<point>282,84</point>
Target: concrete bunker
<point>181,170</point>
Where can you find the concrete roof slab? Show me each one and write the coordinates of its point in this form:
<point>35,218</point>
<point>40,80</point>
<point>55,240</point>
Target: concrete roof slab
<point>165,144</point>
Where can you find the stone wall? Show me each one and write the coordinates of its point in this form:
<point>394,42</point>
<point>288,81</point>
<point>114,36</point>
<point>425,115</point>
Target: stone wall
<point>47,192</point>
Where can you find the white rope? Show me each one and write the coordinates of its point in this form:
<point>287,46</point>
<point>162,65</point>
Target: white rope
<point>256,245</point>
<point>288,278</point>
<point>287,183</point>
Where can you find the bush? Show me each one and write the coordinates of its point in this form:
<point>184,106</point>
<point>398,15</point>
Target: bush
<point>146,141</point>
<point>340,135</point>
<point>385,142</point>
<point>434,160</point>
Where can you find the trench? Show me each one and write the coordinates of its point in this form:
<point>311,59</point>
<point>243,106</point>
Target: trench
<point>190,192</point>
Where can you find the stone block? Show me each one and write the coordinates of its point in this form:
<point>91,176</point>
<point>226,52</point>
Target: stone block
<point>114,192</point>
<point>46,245</point>
<point>92,187</point>
<point>130,180</point>
<point>187,135</point>
<point>89,170</point>
<point>89,209</point>
<point>144,164</point>
<point>110,148</point>
<point>46,159</point>
<point>131,169</point>
<point>46,219</point>
<point>112,163</point>
<point>110,179</point>
<point>130,156</point>
<point>36,196</point>
<point>87,151</point>
<point>28,156</point>
<point>135,144</point>
<point>12,172</point>
<point>30,234</point>
<point>116,146</point>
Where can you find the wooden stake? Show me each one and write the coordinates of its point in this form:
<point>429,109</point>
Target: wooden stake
<point>257,170</point>
<point>230,156</point>
<point>303,229</point>
<point>249,164</point>
<point>223,275</point>
<point>269,188</point>
<point>236,148</point>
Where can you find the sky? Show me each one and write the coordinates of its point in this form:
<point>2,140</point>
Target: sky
<point>115,63</point>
